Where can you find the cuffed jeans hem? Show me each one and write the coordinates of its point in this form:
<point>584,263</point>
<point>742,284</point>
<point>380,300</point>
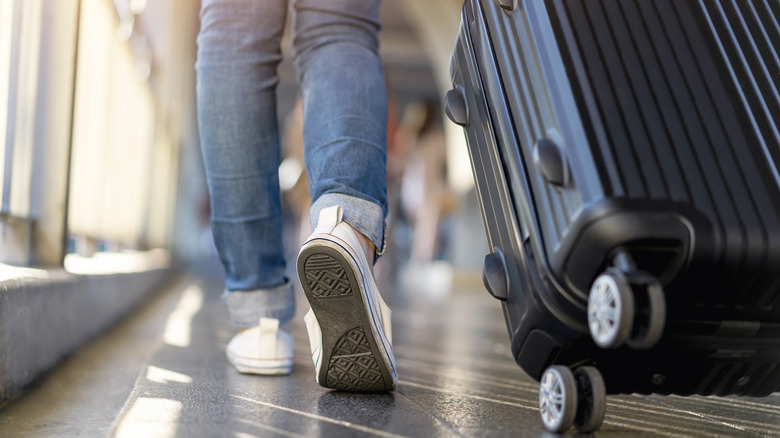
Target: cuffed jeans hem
<point>365,216</point>
<point>247,307</point>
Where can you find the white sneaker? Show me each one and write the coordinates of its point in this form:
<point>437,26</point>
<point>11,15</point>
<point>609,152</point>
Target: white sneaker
<point>349,323</point>
<point>264,349</point>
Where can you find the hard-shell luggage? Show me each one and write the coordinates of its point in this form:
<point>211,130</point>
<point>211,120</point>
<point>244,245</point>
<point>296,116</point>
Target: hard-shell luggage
<point>625,154</point>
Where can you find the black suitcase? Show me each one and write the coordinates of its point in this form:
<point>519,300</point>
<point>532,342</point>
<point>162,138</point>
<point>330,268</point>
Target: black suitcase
<point>625,154</point>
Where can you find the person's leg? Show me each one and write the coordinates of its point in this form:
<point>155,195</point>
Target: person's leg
<point>238,53</point>
<point>345,110</point>
<point>345,135</point>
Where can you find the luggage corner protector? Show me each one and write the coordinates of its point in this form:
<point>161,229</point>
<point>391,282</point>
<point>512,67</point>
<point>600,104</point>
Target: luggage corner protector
<point>508,5</point>
<point>551,162</point>
<point>494,275</point>
<point>455,106</point>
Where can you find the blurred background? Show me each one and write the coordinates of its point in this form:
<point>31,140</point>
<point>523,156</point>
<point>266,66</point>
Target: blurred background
<point>100,149</point>
<point>102,187</point>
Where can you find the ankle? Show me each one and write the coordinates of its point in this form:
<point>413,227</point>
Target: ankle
<point>367,246</point>
<point>283,326</point>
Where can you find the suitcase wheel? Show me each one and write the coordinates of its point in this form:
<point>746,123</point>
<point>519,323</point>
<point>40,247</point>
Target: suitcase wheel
<point>626,309</point>
<point>610,310</point>
<point>569,398</point>
<point>558,398</point>
<point>591,400</point>
<point>650,316</point>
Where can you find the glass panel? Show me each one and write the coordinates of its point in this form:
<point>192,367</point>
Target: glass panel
<point>90,127</point>
<point>29,60</point>
<point>113,134</point>
<point>129,148</point>
<point>7,11</point>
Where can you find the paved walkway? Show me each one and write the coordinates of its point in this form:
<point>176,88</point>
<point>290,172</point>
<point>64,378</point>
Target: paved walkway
<point>163,372</point>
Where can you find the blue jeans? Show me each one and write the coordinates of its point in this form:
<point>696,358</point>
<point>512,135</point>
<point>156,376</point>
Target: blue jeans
<point>345,129</point>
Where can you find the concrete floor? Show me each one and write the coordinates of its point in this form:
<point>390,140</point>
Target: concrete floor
<point>162,372</point>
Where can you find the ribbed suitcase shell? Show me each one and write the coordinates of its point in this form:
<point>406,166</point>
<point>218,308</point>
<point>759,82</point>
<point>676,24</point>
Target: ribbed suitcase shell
<point>667,113</point>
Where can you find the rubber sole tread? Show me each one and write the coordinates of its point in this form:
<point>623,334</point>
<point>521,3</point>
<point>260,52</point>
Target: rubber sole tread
<point>351,359</point>
<point>326,277</point>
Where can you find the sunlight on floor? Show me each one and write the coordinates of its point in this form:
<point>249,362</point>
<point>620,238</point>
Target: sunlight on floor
<point>161,375</point>
<point>179,326</point>
<point>150,417</point>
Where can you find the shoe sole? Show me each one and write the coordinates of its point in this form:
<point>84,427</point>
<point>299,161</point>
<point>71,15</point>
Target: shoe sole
<point>351,358</point>
<point>268,367</point>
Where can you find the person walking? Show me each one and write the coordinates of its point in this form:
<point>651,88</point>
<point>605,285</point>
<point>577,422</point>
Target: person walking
<point>335,44</point>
